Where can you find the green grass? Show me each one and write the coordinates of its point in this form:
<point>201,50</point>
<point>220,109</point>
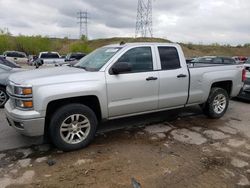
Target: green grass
<point>36,44</point>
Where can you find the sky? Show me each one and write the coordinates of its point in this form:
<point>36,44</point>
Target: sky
<point>195,21</point>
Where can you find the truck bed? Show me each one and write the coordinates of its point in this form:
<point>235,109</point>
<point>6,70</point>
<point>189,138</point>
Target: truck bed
<point>198,65</point>
<point>202,76</point>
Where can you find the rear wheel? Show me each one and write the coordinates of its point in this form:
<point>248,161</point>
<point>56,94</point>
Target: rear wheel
<point>217,103</point>
<point>73,127</point>
<point>3,97</point>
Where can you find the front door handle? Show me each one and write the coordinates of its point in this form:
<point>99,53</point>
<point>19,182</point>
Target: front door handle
<point>182,76</point>
<point>151,78</point>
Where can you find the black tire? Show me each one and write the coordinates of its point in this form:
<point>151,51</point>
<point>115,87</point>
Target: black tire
<point>61,115</point>
<point>3,92</point>
<point>209,109</point>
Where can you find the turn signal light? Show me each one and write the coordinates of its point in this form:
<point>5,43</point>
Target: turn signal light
<point>27,104</point>
<point>27,91</point>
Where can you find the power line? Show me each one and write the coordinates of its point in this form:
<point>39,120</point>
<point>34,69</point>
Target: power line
<point>144,20</point>
<point>83,23</point>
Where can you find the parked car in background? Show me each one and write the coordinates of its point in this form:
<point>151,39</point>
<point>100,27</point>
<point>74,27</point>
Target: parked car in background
<point>115,81</point>
<point>32,59</point>
<point>240,59</point>
<point>17,57</point>
<point>50,58</point>
<point>6,68</point>
<point>214,60</point>
<point>245,91</point>
<point>73,58</point>
<point>189,60</point>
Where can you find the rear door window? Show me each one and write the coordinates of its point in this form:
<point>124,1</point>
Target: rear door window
<point>169,58</point>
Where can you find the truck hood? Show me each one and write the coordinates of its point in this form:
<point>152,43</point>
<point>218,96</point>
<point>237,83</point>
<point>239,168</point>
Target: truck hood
<point>55,75</point>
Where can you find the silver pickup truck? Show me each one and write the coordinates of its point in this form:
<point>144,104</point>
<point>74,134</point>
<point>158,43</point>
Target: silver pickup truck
<point>115,81</point>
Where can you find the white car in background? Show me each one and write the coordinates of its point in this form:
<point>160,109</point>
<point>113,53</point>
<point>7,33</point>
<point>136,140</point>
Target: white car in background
<point>50,58</point>
<point>16,57</point>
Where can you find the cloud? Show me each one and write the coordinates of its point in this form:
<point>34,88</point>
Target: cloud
<point>197,21</point>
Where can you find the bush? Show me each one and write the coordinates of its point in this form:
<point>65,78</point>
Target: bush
<point>79,46</point>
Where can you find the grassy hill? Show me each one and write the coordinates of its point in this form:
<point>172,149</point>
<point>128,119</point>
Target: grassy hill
<point>36,44</point>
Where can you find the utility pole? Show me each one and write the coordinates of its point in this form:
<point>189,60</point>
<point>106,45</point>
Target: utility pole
<point>144,21</point>
<point>82,16</point>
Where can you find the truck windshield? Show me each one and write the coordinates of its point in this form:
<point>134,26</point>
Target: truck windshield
<point>97,59</point>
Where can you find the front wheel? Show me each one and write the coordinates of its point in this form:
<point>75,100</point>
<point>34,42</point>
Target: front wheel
<point>73,127</point>
<point>3,97</point>
<point>217,103</point>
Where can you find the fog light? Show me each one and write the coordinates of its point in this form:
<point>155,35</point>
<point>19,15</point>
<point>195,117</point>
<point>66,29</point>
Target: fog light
<point>24,104</point>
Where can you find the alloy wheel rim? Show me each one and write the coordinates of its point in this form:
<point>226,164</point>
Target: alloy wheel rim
<point>219,103</point>
<point>75,128</point>
<point>3,97</point>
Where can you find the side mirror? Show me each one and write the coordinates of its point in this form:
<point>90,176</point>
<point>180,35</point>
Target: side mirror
<point>121,67</point>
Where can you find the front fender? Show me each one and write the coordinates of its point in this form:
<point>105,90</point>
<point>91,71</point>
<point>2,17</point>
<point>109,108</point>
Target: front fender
<point>45,94</point>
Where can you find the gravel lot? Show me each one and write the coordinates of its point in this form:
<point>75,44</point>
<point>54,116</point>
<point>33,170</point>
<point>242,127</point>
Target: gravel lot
<point>187,151</point>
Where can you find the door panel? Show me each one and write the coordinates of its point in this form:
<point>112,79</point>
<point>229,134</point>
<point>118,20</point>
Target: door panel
<point>173,91</point>
<point>174,78</point>
<point>132,93</point>
<point>136,90</point>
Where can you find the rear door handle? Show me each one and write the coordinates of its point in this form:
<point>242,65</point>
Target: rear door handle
<point>182,76</point>
<point>151,78</point>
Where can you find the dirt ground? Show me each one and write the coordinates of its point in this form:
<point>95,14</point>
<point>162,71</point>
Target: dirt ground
<point>187,152</point>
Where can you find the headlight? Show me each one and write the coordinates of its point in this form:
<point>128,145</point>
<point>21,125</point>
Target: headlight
<point>25,91</point>
<point>23,97</point>
<point>25,104</point>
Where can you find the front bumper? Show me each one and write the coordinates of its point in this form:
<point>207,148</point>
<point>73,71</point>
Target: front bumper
<point>27,123</point>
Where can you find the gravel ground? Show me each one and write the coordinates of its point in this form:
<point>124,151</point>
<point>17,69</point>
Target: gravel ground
<point>190,151</point>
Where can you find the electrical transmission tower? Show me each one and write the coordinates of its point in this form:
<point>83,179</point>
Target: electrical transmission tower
<point>144,22</point>
<point>83,23</point>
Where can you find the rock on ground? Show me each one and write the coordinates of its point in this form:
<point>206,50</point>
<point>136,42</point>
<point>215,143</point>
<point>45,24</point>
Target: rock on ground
<point>227,129</point>
<point>83,161</point>
<point>189,137</point>
<point>161,128</point>
<point>41,159</point>
<point>239,163</point>
<point>24,162</point>
<point>26,178</point>
<point>219,147</point>
<point>243,181</point>
<point>243,154</point>
<point>25,152</point>
<point>161,135</point>
<point>235,143</point>
<point>215,135</point>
